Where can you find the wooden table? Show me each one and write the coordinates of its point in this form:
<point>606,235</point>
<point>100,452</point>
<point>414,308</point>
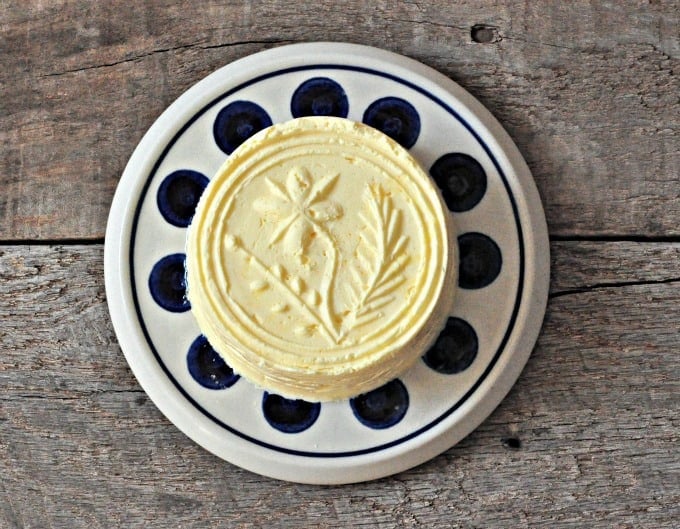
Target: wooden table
<point>588,437</point>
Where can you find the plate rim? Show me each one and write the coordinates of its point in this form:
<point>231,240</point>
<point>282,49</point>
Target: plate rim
<point>373,465</point>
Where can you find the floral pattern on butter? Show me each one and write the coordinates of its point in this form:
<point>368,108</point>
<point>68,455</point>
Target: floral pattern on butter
<point>301,203</point>
<point>319,248</point>
<point>307,211</point>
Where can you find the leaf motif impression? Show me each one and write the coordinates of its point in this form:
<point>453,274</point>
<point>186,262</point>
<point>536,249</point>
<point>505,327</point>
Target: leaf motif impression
<point>378,268</point>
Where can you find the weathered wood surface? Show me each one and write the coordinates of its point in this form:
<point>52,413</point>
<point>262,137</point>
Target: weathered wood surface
<point>590,93</point>
<point>588,90</point>
<point>595,412</point>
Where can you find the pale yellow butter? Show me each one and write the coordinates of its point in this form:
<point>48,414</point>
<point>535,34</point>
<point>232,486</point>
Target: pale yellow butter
<point>320,260</point>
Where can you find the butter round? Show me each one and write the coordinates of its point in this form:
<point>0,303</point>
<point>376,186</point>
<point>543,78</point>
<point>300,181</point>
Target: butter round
<point>320,262</point>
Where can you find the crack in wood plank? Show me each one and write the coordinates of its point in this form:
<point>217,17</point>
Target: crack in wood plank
<point>163,50</point>
<point>503,37</point>
<point>115,63</point>
<point>429,23</point>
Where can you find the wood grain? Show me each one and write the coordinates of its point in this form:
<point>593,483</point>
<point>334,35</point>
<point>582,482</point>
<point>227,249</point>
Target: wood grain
<point>587,437</point>
<point>588,90</point>
<point>594,413</point>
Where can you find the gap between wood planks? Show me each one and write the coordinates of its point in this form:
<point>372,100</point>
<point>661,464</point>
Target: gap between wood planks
<point>614,239</point>
<point>66,241</point>
<point>90,241</point>
<point>71,396</point>
<point>614,284</point>
<point>97,241</point>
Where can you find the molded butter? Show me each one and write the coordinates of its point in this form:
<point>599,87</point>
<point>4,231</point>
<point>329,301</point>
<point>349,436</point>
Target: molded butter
<point>320,260</point>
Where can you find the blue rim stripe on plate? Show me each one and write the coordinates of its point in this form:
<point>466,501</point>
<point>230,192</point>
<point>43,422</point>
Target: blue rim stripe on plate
<point>478,382</point>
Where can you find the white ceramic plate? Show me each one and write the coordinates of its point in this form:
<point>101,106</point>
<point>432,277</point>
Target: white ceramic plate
<point>501,292</point>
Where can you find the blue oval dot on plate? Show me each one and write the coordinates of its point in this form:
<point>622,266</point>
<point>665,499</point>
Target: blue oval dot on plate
<point>179,194</point>
<point>289,415</point>
<point>455,348</point>
<point>237,122</point>
<point>319,96</point>
<point>461,179</point>
<point>383,407</point>
<point>167,283</point>
<point>395,117</point>
<point>207,367</point>
<point>480,260</point>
